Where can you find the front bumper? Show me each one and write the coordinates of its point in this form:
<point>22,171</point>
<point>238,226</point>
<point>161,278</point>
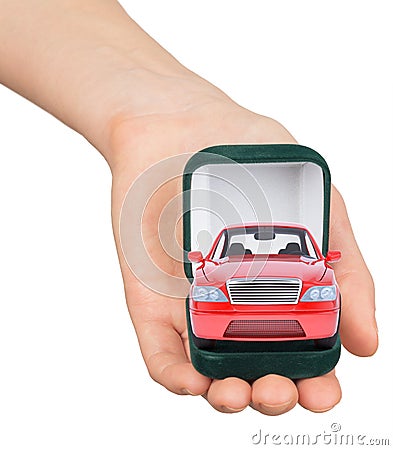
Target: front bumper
<point>214,325</point>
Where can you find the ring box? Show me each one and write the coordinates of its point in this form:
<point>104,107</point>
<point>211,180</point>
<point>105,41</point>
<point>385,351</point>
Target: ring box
<point>263,298</point>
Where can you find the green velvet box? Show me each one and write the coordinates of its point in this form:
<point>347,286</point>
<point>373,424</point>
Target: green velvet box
<point>267,183</point>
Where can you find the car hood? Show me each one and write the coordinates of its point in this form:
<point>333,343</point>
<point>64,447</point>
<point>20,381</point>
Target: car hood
<point>288,266</point>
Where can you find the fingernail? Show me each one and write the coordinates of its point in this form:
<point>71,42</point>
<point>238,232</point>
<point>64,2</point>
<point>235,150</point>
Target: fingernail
<point>185,391</point>
<point>274,409</point>
<point>322,410</point>
<point>227,409</point>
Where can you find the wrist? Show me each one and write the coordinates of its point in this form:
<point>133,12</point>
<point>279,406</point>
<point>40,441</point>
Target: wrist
<point>149,97</point>
<point>135,84</point>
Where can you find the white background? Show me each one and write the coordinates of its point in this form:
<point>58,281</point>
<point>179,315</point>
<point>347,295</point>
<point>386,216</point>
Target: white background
<point>71,373</point>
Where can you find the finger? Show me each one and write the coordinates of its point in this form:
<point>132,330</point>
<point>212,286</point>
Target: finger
<point>229,395</point>
<point>273,395</point>
<point>319,394</point>
<point>166,360</point>
<point>358,328</point>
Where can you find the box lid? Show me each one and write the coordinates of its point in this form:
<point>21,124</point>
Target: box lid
<point>258,183</point>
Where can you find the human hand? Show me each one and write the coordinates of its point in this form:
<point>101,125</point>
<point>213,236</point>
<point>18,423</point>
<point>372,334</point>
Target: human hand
<point>107,79</point>
<point>160,322</point>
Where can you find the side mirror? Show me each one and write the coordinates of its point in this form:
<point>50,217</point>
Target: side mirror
<point>333,256</point>
<point>195,257</point>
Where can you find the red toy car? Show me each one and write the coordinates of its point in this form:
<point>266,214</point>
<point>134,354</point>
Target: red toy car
<point>264,282</point>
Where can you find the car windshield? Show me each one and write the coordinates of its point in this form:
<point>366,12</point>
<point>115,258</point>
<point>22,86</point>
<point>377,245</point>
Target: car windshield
<point>264,240</point>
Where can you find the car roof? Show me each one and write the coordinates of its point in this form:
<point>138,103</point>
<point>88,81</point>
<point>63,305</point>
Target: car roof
<point>266,224</point>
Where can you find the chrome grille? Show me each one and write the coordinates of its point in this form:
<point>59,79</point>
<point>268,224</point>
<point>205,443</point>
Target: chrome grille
<point>264,290</point>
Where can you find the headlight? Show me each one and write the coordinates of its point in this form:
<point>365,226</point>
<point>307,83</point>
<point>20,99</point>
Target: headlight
<point>320,294</point>
<point>208,294</point>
